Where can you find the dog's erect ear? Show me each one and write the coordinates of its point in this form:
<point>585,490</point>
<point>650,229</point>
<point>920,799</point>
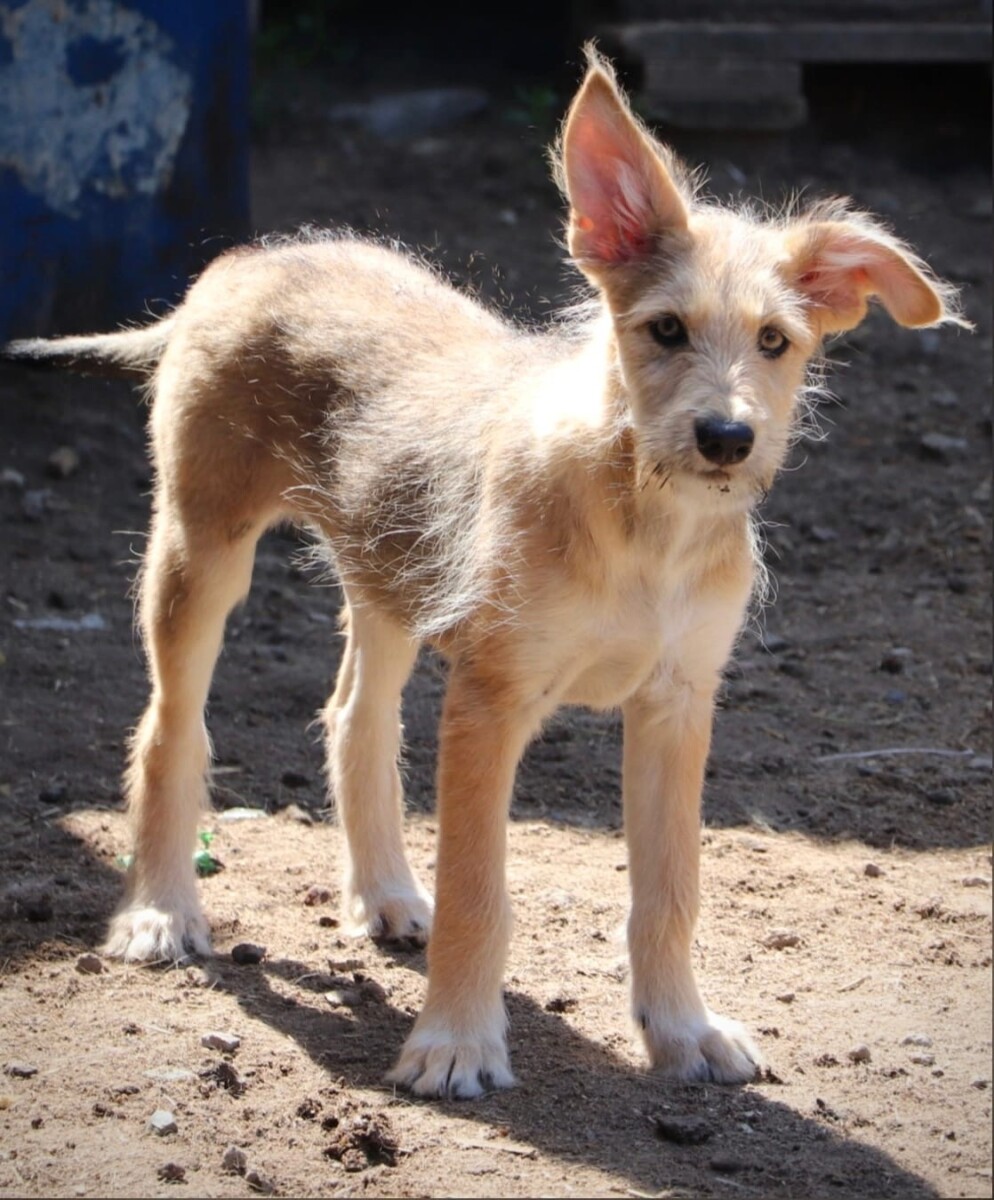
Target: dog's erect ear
<point>621,195</point>
<point>838,265</point>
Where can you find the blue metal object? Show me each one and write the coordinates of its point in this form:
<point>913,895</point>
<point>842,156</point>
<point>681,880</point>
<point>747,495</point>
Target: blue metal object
<point>124,141</point>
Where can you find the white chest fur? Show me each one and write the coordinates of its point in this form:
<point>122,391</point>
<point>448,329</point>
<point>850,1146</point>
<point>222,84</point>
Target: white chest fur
<point>647,621</point>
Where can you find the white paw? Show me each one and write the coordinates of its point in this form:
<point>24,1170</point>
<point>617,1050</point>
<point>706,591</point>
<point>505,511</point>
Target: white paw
<point>158,933</point>
<point>704,1048</point>
<point>400,915</point>
<point>456,1066</point>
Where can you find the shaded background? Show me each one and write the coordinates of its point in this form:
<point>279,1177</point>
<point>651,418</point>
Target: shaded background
<point>879,638</point>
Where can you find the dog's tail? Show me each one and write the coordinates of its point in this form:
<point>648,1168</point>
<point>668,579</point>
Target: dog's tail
<point>128,354</point>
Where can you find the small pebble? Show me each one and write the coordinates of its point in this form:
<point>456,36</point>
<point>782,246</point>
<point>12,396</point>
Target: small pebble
<point>561,1004</point>
<point>787,997</point>
<point>242,814</point>
<point>35,503</point>
<point>247,953</point>
<point>873,870</point>
<point>980,1084</point>
<point>923,1060</point>
<point>56,792</point>
<point>725,1164</point>
<point>327,922</point>
<point>11,478</point>
<point>894,661</point>
<point>162,1122</point>
<point>227,1043</point>
<point>822,533</point>
<point>943,447</point>
<point>90,964</point>
<point>860,1054</point>
<point>293,812</point>
<point>234,1160</point>
<point>317,895</point>
<point>943,797</point>
<point>19,1070</point>
<point>198,977</point>
<point>370,989</point>
<point>781,939</point>
<point>975,881</point>
<point>225,1075</point>
<point>684,1131</point>
<point>343,997</point>
<point>63,462</point>
<point>916,1039</point>
<point>260,1183</point>
<point>172,1173</point>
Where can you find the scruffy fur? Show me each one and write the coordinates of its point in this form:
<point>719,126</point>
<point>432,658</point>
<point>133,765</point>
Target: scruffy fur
<point>538,505</point>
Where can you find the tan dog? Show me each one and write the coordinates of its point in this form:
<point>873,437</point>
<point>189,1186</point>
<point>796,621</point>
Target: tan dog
<point>565,514</point>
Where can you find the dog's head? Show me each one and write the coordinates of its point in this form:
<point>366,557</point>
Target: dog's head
<point>717,313</point>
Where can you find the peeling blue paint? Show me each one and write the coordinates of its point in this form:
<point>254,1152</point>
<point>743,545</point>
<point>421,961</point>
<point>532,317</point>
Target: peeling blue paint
<point>123,146</point>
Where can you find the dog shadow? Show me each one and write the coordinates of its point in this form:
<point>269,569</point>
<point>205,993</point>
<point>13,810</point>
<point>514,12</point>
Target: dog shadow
<point>583,1104</point>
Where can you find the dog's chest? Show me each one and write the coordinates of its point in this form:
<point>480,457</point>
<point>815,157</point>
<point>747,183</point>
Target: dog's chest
<point>616,645</point>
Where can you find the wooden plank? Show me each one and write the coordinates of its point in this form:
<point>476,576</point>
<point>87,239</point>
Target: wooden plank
<point>701,93</point>
<point>735,78</point>
<point>806,42</point>
<point>836,11</point>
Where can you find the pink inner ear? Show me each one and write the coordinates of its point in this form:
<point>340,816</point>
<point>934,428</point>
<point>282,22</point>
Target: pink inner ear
<point>848,266</point>
<point>610,195</point>
<point>833,288</point>
<point>614,183</point>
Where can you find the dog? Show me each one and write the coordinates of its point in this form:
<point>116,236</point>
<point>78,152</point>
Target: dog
<point>566,514</point>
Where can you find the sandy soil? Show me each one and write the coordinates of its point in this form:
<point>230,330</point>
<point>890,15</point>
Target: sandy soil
<point>846,913</point>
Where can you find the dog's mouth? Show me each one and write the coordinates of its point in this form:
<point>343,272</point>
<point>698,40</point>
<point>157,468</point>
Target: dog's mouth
<point>744,481</point>
<point>738,482</point>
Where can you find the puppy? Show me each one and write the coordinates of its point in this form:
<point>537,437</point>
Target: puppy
<point>565,514</point>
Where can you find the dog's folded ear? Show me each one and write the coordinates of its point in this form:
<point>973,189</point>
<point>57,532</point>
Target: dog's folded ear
<point>622,195</point>
<point>839,264</point>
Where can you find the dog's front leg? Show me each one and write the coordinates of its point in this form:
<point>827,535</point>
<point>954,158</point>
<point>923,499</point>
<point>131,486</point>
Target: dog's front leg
<point>667,737</point>
<point>457,1047</point>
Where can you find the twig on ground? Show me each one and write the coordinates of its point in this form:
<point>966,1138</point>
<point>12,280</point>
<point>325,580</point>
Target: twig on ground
<point>892,751</point>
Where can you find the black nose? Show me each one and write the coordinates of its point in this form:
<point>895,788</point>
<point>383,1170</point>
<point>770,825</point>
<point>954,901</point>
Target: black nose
<point>723,442</point>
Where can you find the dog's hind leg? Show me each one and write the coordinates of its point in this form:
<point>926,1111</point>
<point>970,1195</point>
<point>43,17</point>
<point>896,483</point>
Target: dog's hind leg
<point>194,573</point>
<point>381,895</point>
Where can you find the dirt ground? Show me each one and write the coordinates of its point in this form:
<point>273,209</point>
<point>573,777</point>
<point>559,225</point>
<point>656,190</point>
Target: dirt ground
<point>847,903</point>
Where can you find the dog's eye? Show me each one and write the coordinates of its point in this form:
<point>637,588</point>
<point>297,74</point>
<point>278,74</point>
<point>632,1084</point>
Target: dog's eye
<point>669,331</point>
<point>772,343</point>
